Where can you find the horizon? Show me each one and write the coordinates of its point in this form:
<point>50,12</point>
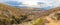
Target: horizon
<point>46,4</point>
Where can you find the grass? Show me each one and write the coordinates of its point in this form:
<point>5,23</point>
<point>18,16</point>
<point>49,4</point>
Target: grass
<point>38,21</point>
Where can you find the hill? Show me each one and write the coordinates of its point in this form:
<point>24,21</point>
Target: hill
<point>11,15</point>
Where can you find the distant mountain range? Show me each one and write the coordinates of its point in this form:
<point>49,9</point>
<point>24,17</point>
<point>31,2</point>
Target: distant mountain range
<point>17,4</point>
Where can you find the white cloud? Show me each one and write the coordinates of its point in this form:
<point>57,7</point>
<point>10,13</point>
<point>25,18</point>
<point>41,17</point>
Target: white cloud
<point>34,3</point>
<point>29,2</point>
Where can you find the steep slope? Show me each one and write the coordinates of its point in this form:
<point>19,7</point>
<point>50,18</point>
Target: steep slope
<point>53,17</point>
<point>12,15</point>
<point>28,16</point>
<point>8,14</point>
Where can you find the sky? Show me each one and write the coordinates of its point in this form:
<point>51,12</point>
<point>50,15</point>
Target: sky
<point>47,4</point>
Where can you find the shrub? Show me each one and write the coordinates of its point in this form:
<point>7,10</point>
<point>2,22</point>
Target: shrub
<point>38,21</point>
<point>57,15</point>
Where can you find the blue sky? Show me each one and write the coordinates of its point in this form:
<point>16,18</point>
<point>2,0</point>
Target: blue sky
<point>13,3</point>
<point>47,4</point>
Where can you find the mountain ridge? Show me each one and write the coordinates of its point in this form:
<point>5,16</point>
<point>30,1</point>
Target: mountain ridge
<point>19,15</point>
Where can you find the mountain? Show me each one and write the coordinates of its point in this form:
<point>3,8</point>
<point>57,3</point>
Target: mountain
<point>10,15</point>
<point>13,15</point>
<point>53,17</point>
<point>49,17</point>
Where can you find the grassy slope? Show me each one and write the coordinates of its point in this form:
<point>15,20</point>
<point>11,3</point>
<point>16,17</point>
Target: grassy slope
<point>8,13</point>
<point>11,15</point>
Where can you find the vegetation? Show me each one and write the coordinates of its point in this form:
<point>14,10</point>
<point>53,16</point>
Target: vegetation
<point>58,16</point>
<point>38,21</point>
<point>10,15</point>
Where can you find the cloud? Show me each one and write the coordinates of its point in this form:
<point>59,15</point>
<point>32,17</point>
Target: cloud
<point>39,3</point>
<point>35,3</point>
<point>29,2</point>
